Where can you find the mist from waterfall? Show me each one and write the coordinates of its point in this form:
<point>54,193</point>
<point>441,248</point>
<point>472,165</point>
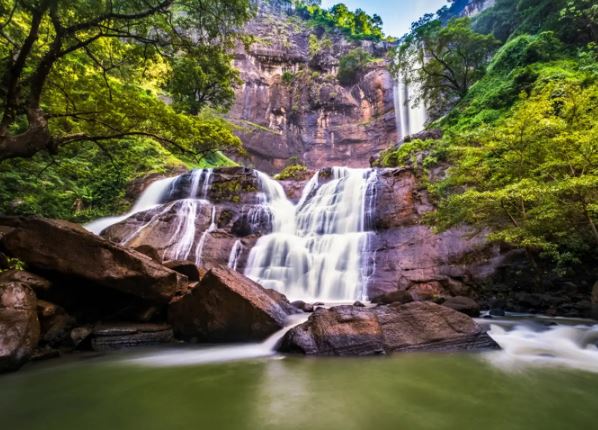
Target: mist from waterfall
<point>316,248</point>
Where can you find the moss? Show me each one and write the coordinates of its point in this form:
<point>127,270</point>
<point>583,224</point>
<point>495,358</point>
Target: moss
<point>295,172</point>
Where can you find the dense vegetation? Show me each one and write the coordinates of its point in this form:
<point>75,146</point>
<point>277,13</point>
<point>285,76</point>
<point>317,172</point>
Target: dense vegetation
<point>522,141</point>
<point>357,25</point>
<point>84,89</point>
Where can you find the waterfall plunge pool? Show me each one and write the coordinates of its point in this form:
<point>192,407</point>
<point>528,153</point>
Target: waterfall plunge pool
<point>545,378</point>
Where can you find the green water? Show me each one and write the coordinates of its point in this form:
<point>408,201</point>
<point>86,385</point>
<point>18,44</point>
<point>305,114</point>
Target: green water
<point>406,392</point>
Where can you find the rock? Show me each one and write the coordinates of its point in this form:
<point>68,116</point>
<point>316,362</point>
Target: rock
<point>416,326</point>
<point>394,297</point>
<point>149,251</point>
<point>67,250</point>
<point>358,304</point>
<point>283,302</point>
<point>226,307</point>
<point>342,331</point>
<point>36,283</point>
<point>464,305</point>
<point>79,335</point>
<point>55,323</point>
<point>109,337</point>
<point>187,268</point>
<point>305,307</point>
<point>19,326</point>
<point>595,301</point>
<point>497,312</point>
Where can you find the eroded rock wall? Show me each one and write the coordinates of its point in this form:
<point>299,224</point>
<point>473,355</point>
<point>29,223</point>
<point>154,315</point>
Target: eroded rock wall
<point>292,108</point>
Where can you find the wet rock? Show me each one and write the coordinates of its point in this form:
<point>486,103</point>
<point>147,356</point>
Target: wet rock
<point>226,307</point>
<point>187,268</point>
<point>150,251</point>
<point>305,307</point>
<point>464,305</point>
<point>19,326</point>
<point>66,249</point>
<point>80,335</point>
<point>394,297</point>
<point>283,302</point>
<point>416,326</point>
<point>358,304</point>
<point>109,337</point>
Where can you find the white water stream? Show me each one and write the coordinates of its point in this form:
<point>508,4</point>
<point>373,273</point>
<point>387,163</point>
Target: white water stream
<point>410,118</point>
<point>316,247</point>
<point>220,354</point>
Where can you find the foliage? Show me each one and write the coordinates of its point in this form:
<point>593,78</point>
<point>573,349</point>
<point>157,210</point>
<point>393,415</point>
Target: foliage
<point>351,65</point>
<point>203,81</point>
<point>288,78</point>
<point>80,71</point>
<point>531,176</point>
<point>9,263</point>
<point>294,171</point>
<point>444,61</point>
<point>83,182</point>
<point>358,25</point>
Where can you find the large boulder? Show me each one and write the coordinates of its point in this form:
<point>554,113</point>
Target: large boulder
<point>416,326</point>
<point>19,326</point>
<point>226,307</point>
<point>67,250</point>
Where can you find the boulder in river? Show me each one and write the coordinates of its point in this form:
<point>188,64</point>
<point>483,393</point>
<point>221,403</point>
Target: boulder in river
<point>226,307</point>
<point>67,250</point>
<point>416,326</point>
<point>466,305</point>
<point>19,326</point>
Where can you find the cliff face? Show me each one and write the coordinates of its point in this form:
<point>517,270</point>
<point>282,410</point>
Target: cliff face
<point>292,108</point>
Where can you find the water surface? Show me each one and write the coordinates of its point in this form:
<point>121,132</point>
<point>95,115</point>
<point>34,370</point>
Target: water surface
<point>413,391</point>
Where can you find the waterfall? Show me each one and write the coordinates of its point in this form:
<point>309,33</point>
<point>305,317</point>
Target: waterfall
<point>150,198</point>
<point>315,249</point>
<point>410,119</point>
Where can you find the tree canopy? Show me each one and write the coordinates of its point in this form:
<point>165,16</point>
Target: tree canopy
<point>355,24</point>
<point>99,70</point>
<point>444,60</point>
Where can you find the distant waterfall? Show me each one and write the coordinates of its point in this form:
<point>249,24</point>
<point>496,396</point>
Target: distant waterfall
<point>315,250</point>
<point>410,119</point>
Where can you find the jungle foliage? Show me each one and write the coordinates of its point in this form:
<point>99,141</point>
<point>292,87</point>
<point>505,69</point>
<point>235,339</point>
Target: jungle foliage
<point>520,147</point>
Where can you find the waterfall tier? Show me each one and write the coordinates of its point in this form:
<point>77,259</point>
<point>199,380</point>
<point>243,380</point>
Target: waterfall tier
<point>315,249</point>
<point>309,250</point>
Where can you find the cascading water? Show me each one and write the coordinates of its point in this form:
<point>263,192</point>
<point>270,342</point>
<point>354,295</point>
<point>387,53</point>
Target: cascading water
<point>410,119</point>
<point>150,198</point>
<point>316,247</point>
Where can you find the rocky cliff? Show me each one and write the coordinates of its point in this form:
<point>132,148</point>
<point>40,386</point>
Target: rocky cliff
<point>292,108</point>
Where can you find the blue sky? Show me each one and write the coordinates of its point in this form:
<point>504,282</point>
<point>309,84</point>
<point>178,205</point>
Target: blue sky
<point>396,14</point>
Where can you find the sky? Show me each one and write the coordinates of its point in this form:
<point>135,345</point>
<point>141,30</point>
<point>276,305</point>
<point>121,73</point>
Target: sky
<point>396,14</point>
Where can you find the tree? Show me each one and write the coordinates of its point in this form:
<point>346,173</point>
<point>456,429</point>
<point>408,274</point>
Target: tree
<point>444,60</point>
<point>533,177</point>
<point>204,80</point>
<point>80,70</point>
<point>351,65</point>
<point>580,17</point>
